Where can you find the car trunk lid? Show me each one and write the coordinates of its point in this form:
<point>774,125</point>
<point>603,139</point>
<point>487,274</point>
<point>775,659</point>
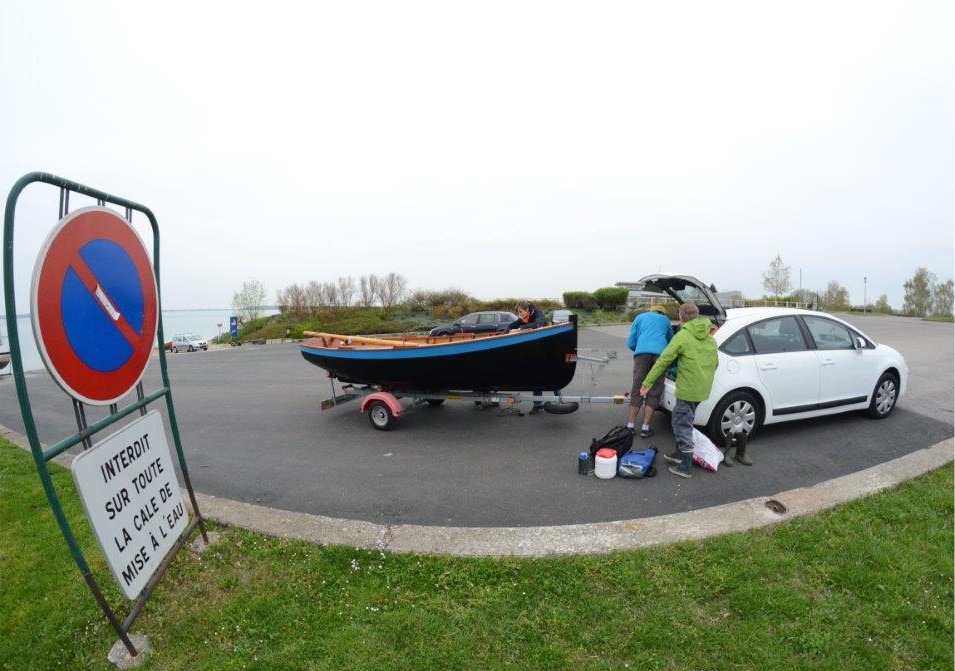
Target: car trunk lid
<point>687,289</point>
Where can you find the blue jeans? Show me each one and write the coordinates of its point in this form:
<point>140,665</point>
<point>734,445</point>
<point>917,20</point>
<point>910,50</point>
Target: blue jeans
<point>681,419</point>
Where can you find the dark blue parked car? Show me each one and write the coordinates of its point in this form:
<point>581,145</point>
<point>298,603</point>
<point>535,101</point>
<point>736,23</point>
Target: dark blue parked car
<point>477,322</point>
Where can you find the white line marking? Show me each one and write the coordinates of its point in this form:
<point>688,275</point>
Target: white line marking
<point>104,301</point>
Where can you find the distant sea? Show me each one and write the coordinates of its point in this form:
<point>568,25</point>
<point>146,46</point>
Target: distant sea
<point>206,323</point>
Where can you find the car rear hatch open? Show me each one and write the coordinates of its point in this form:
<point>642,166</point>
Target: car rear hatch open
<point>687,289</point>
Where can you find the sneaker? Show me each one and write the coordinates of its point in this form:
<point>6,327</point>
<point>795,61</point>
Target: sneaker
<point>679,470</point>
<point>674,457</point>
<point>646,433</point>
<point>536,409</point>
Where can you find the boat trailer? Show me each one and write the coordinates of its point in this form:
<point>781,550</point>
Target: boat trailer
<point>384,408</point>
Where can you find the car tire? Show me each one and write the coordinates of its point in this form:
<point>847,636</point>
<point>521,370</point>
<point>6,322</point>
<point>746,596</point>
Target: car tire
<point>736,409</point>
<point>884,396</point>
<point>191,348</point>
<point>379,414</point>
<point>175,350</point>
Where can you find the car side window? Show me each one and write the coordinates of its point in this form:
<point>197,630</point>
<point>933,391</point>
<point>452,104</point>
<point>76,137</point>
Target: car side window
<point>487,319</point>
<point>773,336</point>
<point>738,345</point>
<point>828,334</point>
<point>469,320</point>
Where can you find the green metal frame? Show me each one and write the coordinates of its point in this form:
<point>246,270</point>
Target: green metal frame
<point>41,456</point>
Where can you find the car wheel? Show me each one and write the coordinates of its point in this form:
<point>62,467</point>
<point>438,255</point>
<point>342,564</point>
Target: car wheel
<point>884,396</point>
<point>737,411</point>
<point>379,414</point>
<point>191,348</point>
<point>175,350</point>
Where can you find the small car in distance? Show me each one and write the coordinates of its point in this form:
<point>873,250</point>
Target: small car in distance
<point>477,322</point>
<point>187,342</point>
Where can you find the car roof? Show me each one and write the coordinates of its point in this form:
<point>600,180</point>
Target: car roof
<point>737,318</point>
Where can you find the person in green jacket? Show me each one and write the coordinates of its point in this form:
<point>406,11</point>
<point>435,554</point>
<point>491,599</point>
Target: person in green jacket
<point>693,349</point>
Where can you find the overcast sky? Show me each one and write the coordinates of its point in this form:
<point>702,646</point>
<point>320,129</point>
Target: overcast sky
<point>504,148</point>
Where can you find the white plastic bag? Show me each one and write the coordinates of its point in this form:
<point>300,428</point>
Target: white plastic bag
<point>705,453</point>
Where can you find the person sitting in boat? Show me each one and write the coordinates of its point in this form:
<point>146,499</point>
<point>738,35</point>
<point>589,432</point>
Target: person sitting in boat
<point>529,317</point>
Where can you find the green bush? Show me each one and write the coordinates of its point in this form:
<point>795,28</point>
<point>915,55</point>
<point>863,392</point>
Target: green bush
<point>579,300</point>
<point>611,298</point>
<point>424,301</point>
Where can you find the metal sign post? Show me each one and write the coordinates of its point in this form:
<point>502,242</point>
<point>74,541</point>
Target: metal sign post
<point>97,314</point>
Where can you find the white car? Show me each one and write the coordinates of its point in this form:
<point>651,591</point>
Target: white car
<point>784,364</point>
<point>188,342</point>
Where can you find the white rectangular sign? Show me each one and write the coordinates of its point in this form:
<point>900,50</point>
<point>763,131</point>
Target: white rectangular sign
<point>132,498</point>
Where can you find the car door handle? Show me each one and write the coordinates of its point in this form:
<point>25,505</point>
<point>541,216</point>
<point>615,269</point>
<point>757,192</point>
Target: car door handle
<point>828,362</point>
<point>768,366</point>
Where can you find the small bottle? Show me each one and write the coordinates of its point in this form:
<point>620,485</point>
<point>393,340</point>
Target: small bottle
<point>583,463</point>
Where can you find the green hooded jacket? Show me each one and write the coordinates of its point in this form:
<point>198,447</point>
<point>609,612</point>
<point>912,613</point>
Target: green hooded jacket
<point>693,349</point>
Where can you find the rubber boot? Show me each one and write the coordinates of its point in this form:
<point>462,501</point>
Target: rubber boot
<point>741,457</point>
<point>684,470</point>
<point>728,446</point>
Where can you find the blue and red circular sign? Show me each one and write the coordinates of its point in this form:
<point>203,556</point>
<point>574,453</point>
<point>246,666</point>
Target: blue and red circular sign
<point>95,305</point>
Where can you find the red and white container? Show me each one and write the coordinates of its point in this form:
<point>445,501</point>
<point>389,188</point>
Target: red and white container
<point>605,463</point>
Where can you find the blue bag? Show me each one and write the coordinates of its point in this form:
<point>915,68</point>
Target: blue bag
<point>637,463</point>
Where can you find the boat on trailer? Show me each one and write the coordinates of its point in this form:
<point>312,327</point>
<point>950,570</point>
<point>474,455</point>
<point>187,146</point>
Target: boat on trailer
<point>542,359</point>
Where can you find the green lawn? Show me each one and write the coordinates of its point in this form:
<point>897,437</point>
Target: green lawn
<point>865,586</point>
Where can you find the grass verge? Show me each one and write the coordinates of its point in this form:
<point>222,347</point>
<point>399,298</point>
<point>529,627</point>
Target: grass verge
<point>867,585</point>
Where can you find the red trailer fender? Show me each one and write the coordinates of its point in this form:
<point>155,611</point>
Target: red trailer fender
<point>384,396</point>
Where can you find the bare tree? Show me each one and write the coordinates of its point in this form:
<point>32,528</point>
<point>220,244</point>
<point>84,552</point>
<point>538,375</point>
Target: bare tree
<point>346,290</point>
<point>314,296</point>
<point>248,300</point>
<point>776,279</point>
<point>367,290</point>
<point>392,289</point>
<point>804,296</point>
<point>330,294</point>
<point>293,300</point>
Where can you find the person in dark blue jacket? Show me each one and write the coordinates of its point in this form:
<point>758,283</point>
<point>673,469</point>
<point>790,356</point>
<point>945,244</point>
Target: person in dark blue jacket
<point>529,317</point>
<point>650,333</point>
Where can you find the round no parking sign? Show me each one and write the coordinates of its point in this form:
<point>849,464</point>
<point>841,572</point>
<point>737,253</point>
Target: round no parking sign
<point>94,305</point>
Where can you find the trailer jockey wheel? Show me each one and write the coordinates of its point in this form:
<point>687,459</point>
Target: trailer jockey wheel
<point>561,408</point>
<point>379,414</point>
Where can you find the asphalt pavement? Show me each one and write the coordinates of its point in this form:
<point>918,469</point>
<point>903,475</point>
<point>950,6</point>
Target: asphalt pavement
<point>253,433</point>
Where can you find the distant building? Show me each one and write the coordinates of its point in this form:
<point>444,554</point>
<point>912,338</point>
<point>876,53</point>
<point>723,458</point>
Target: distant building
<point>637,298</point>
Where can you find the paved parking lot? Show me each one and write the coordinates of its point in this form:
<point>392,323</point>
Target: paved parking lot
<point>252,432</point>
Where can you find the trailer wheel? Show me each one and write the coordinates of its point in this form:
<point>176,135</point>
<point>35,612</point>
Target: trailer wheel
<point>561,408</point>
<point>379,414</point>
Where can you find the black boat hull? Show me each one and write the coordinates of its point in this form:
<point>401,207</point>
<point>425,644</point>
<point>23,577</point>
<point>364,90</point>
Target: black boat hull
<point>543,359</point>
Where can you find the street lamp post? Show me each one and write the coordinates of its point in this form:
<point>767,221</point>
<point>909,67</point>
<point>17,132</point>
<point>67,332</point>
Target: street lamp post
<point>864,299</point>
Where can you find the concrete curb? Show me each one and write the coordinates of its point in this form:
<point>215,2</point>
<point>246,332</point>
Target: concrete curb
<point>578,538</point>
<point>572,539</point>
